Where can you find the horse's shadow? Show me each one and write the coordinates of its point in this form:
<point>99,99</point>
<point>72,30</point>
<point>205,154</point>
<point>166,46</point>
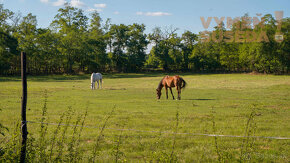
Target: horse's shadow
<point>200,99</point>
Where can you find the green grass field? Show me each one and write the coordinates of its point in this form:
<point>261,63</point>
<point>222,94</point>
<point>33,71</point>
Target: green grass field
<point>211,104</point>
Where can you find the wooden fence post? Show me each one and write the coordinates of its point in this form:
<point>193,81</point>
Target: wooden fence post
<point>23,108</point>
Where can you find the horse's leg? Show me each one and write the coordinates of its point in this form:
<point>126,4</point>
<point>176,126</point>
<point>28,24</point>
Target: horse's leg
<point>166,89</point>
<point>98,84</point>
<point>101,80</point>
<point>178,91</point>
<point>171,93</point>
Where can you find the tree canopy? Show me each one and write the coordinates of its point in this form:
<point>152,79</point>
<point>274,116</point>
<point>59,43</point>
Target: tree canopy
<point>75,42</point>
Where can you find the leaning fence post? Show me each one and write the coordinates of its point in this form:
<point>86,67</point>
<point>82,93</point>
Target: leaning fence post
<point>23,108</point>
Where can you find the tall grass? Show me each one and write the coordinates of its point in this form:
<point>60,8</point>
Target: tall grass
<point>231,95</point>
<point>248,143</point>
<point>63,144</point>
<point>54,138</point>
<point>216,144</point>
<point>11,150</point>
<point>43,132</point>
<point>96,147</point>
<point>116,152</point>
<point>173,157</point>
<point>60,147</point>
<point>3,129</point>
<point>76,153</point>
<point>247,148</point>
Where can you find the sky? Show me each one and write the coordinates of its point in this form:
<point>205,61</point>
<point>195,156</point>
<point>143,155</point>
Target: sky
<point>181,14</point>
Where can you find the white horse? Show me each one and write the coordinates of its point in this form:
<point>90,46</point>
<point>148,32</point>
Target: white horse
<point>96,77</point>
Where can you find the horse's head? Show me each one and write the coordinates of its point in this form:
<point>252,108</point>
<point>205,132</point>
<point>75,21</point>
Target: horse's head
<point>158,92</point>
<point>91,85</point>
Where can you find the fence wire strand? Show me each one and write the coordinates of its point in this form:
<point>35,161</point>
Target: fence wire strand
<point>166,132</point>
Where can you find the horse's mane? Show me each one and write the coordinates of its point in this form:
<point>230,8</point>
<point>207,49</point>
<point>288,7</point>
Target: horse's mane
<point>160,85</point>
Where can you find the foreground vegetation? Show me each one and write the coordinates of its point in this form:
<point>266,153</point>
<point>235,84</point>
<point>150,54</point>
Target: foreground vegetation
<point>224,104</point>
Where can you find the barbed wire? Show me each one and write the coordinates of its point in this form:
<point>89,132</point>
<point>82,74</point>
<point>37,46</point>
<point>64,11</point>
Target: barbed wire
<point>166,132</point>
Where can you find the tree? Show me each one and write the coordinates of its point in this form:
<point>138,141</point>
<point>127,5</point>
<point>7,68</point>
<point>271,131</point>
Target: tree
<point>136,47</point>
<point>75,43</point>
<point>165,44</point>
<point>26,35</point>
<point>50,58</point>
<point>98,58</point>
<point>9,60</point>
<point>188,41</point>
<point>5,15</point>
<point>71,25</point>
<point>119,35</point>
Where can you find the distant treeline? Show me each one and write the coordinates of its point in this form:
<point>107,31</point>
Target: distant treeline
<point>75,43</point>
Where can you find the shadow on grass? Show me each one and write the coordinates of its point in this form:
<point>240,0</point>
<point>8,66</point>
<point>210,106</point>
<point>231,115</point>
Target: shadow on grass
<point>56,78</point>
<point>132,75</point>
<point>62,78</point>
<point>6,79</point>
<point>47,78</point>
<point>152,74</point>
<point>199,99</point>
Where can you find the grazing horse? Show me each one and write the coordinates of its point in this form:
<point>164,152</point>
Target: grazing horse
<point>168,82</point>
<point>96,77</point>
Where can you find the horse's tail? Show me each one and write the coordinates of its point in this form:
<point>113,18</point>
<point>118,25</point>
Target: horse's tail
<point>183,83</point>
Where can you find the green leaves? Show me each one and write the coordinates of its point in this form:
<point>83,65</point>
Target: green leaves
<point>128,44</point>
<point>76,42</point>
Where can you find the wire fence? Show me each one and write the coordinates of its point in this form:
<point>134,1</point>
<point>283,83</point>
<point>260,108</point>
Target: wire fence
<point>165,132</point>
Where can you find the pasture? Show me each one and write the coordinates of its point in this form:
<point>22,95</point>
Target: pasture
<point>138,127</point>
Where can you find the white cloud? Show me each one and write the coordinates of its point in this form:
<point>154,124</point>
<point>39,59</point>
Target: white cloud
<point>93,10</point>
<point>59,3</point>
<point>116,13</point>
<point>100,5</point>
<point>157,14</point>
<point>44,1</point>
<point>139,13</point>
<point>154,13</point>
<point>77,3</point>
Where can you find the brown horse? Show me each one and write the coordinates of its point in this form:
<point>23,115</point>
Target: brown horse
<point>168,82</point>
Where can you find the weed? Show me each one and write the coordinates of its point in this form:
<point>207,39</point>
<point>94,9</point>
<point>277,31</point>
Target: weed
<point>97,143</point>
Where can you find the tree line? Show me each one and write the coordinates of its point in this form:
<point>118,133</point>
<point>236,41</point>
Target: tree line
<point>75,43</point>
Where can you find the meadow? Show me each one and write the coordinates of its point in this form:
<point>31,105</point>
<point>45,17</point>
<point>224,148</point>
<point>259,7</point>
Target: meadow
<point>125,122</point>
